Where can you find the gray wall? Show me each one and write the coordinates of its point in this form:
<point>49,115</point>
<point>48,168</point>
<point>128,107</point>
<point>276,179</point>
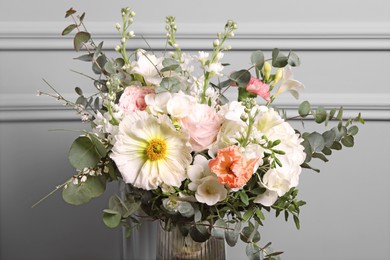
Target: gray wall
<point>345,49</point>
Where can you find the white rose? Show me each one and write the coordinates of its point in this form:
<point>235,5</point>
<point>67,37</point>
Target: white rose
<point>157,103</point>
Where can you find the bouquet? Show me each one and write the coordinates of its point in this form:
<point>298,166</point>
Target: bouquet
<point>186,155</point>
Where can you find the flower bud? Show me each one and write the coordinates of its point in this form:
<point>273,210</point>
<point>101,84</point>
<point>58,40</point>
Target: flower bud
<point>216,43</point>
<point>267,70</point>
<point>278,75</point>
<point>130,34</point>
<point>132,13</point>
<point>123,40</point>
<point>118,26</point>
<point>117,48</point>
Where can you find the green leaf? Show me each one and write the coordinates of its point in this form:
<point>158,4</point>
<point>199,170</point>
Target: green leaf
<point>111,218</point>
<point>340,114</point>
<point>69,12</point>
<point>78,91</point>
<point>170,84</point>
<point>248,214</point>
<point>200,233</point>
<point>316,141</point>
<point>252,251</point>
<point>329,137</point>
<point>257,59</point>
<point>296,221</point>
<point>218,229</point>
<point>348,141</point>
<point>170,64</point>
<point>85,57</point>
<point>244,197</point>
<point>80,39</point>
<point>320,156</point>
<point>100,148</point>
<point>185,209</point>
<point>353,130</point>
<point>293,59</point>
<point>307,149</point>
<point>259,213</point>
<point>246,233</point>
<point>69,29</point>
<point>83,192</point>
<point>109,67</point>
<point>336,146</point>
<point>82,17</point>
<point>320,115</point>
<point>98,51</point>
<point>241,77</point>
<point>231,235</point>
<point>279,60</point>
<point>304,109</point>
<point>83,153</point>
<point>98,64</point>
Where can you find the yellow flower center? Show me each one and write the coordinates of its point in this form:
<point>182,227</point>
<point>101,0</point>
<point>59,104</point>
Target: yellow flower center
<point>156,149</point>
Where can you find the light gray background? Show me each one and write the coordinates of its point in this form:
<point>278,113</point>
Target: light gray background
<point>344,47</point>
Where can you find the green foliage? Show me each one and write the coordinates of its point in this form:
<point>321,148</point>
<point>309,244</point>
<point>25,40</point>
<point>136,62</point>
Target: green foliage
<point>86,152</point>
<point>170,84</point>
<point>83,192</point>
<point>257,59</point>
<point>80,39</point>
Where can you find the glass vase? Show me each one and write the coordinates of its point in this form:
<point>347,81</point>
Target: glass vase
<point>172,245</point>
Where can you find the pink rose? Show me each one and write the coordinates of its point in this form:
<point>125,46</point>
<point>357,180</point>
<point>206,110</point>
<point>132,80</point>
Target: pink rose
<point>258,87</point>
<point>133,98</point>
<point>202,124</point>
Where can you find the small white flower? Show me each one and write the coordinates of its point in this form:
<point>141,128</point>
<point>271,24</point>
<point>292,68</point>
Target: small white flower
<point>84,178</point>
<point>210,191</point>
<point>215,69</point>
<point>290,84</point>
<point>148,65</point>
<point>180,105</point>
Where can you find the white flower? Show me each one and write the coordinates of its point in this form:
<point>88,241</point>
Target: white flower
<point>157,103</point>
<point>149,151</point>
<point>210,191</point>
<point>215,69</point>
<point>290,84</point>
<point>148,66</point>
<point>233,111</point>
<point>180,105</point>
<point>267,118</point>
<point>197,171</point>
<point>202,57</point>
<point>282,178</point>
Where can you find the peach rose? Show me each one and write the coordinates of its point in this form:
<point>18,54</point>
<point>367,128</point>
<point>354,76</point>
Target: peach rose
<point>258,87</point>
<point>231,167</point>
<point>202,124</point>
<point>133,98</point>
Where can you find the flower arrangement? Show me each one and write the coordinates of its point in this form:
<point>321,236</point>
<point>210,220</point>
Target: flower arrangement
<point>186,154</point>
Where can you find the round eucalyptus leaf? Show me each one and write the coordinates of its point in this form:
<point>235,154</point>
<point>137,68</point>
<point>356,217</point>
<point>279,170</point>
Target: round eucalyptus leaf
<point>83,192</point>
<point>257,59</point>
<point>111,218</point>
<point>83,154</point>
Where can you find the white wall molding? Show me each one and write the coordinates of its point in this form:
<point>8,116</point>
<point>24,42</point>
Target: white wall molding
<point>298,36</point>
<point>25,107</point>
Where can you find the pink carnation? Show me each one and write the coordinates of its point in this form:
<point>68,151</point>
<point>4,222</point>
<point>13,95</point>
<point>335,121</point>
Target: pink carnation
<point>202,124</point>
<point>258,87</point>
<point>133,98</point>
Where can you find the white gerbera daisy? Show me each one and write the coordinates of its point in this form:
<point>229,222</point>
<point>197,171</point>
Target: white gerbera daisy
<point>149,151</point>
